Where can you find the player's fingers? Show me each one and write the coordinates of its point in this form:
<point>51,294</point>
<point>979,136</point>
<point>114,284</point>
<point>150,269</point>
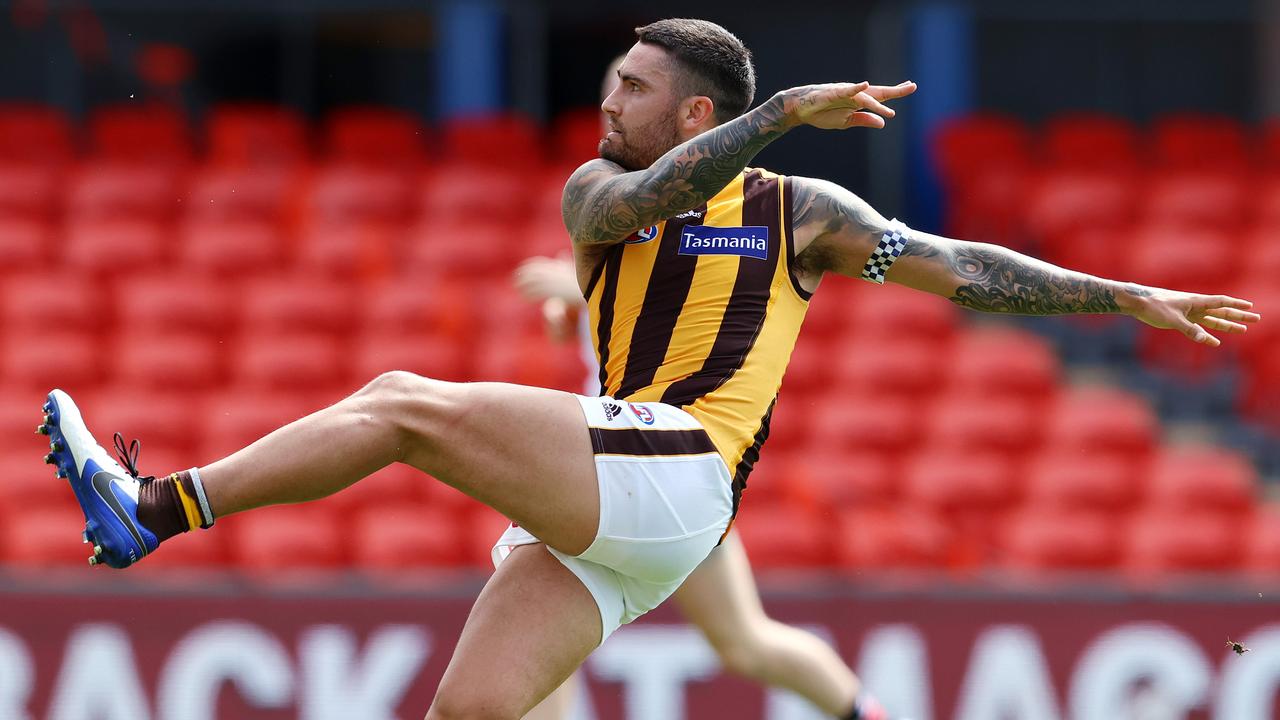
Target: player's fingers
<point>869,103</point>
<point>1242,316</point>
<point>1217,323</point>
<point>1197,334</point>
<point>864,119</point>
<point>891,92</point>
<point>1203,302</point>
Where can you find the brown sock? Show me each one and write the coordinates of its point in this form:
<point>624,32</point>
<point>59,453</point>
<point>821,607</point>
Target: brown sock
<point>169,505</point>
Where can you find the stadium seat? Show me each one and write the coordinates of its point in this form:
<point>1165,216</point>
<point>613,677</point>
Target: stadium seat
<point>297,304</point>
<point>342,193</point>
<point>1195,197</point>
<point>113,190</point>
<point>24,245</point>
<point>289,360</point>
<point>253,135</point>
<point>509,140</point>
<point>1262,542</point>
<point>139,134</point>
<point>903,539</point>
<point>196,550</point>
<point>1259,245</point>
<point>1091,141</point>
<point>1001,361</point>
<point>30,192</point>
<point>877,314</point>
<point>177,361</point>
<point>468,249</point>
<point>230,248</point>
<point>1044,539</point>
<point>1101,421</point>
<point>347,250</point>
<point>162,418</point>
<point>1159,541</point>
<point>257,194</point>
<point>20,409</point>
<point>49,359</point>
<point>104,246</point>
<point>1077,479</point>
<point>41,302</point>
<point>1100,250</point>
<point>900,365</point>
<point>873,422</point>
<point>576,135</point>
<point>1203,478</point>
<point>34,134</point>
<point>973,419</point>
<point>235,417</point>
<point>809,370</point>
<point>462,193</point>
<point>428,305</point>
<point>433,356</point>
<point>1259,395</point>
<point>396,538</point>
<point>527,360</point>
<point>963,144</point>
<point>283,540</point>
<point>45,538</point>
<point>375,136</point>
<point>829,478</point>
<point>1187,258</point>
<point>396,484</point>
<point>1062,202</point>
<point>1194,141</point>
<point>157,302</point>
<point>1271,145</point>
<point>989,204</point>
<point>955,480</point>
<point>786,536</point>
<point>29,483</point>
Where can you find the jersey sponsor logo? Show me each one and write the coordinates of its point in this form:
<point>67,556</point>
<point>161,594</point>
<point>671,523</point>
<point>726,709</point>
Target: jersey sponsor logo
<point>611,410</point>
<point>642,236</point>
<point>645,415</point>
<point>750,241</point>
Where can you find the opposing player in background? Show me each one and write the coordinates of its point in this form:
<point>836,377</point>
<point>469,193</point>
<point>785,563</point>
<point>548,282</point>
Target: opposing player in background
<point>720,597</point>
<point>697,273</point>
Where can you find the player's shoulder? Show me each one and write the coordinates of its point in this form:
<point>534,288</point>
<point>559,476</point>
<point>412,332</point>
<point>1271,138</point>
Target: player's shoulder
<point>591,170</point>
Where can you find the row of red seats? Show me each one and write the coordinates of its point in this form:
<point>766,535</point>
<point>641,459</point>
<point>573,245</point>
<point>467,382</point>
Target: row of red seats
<point>256,135</point>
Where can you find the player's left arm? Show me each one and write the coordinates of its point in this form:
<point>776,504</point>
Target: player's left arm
<point>836,231</point>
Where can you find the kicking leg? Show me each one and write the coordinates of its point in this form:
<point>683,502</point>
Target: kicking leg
<point>721,598</point>
<point>559,703</point>
<point>532,626</point>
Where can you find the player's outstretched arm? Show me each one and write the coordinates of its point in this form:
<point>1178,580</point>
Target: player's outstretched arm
<point>603,203</point>
<point>837,231</point>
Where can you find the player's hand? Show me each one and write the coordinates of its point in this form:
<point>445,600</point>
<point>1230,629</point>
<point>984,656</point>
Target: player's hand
<point>542,278</point>
<point>836,106</point>
<point>1190,314</point>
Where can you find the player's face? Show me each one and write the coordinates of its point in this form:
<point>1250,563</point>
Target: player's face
<point>640,109</point>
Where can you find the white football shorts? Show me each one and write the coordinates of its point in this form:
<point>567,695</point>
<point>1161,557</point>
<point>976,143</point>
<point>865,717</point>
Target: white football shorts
<point>665,501</point>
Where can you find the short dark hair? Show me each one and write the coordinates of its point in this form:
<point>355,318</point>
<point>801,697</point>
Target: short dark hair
<point>714,60</point>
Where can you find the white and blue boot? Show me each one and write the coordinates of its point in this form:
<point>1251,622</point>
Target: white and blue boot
<point>107,492</point>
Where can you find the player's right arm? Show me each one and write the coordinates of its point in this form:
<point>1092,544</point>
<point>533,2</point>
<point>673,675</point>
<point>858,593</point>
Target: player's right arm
<point>604,204</point>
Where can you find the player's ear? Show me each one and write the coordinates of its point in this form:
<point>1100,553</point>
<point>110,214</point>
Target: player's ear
<point>697,113</point>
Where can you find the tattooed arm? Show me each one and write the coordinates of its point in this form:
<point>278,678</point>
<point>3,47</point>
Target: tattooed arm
<point>836,231</point>
<point>603,203</point>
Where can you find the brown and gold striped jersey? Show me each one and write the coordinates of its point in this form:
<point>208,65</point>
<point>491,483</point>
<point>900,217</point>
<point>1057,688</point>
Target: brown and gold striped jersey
<point>702,311</point>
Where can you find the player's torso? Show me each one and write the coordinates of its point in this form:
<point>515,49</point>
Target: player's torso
<point>701,311</point>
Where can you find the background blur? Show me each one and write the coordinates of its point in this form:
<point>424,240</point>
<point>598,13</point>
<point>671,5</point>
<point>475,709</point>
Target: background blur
<point>218,216</point>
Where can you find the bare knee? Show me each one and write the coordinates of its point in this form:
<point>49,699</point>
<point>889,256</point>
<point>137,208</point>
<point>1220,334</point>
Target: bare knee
<point>418,408</point>
<point>743,653</point>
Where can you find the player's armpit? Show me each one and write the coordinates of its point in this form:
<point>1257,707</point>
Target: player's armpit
<point>834,230</point>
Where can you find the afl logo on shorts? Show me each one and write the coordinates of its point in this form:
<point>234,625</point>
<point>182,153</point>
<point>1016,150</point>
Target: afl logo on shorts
<point>643,413</point>
<point>642,236</point>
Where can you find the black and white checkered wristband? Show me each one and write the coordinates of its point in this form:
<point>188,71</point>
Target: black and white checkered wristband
<point>886,252</point>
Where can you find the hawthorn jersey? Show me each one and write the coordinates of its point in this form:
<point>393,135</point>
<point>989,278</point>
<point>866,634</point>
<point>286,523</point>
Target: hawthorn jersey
<point>701,311</point>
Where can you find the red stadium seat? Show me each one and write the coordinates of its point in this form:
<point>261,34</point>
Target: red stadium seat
<point>31,484</point>
<point>1067,201</point>
<point>1060,539</point>
<point>347,250</point>
<point>51,358</point>
<point>1093,141</point>
<point>175,361</point>
<point>1259,245</point>
<point>289,360</point>
<point>974,420</point>
<point>430,305</point>
<point>999,361</point>
<point>1259,394</point>
<point>1266,203</point>
<point>160,303</point>
<point>1095,250</point>
<point>829,478</point>
<point>989,204</point>
<point>1262,542</point>
<point>258,194</point>
<point>297,304</point>
<point>19,415</point>
<point>377,136</point>
<point>1219,199</point>
<point>877,314</point>
<point>576,135</point>
<point>45,537</point>
<point>1163,541</point>
<point>24,245</point>
<point>1187,258</point>
<point>251,135</point>
<point>1271,144</point>
<point>1202,478</point>
<point>809,370</point>
<point>113,190</point>
<point>286,539</point>
<point>34,134</point>
<point>354,192</point>
<point>528,360</point>
<point>784,536</point>
<point>892,540</point>
<point>460,193</point>
<point>429,355</point>
<point>139,134</point>
<point>892,365</point>
<point>981,140</point>
<point>46,301</point>
<point>1101,421</point>
<point>396,484</point>
<point>470,249</point>
<point>158,416</point>
<point>789,424</point>
<point>30,192</point>
<point>236,417</point>
<point>510,140</point>
<point>956,480</point>
<point>874,423</point>
<point>1198,142</point>
<point>395,538</point>
<point>1078,479</point>
<point>195,550</point>
<point>100,246</point>
<point>231,248</point>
